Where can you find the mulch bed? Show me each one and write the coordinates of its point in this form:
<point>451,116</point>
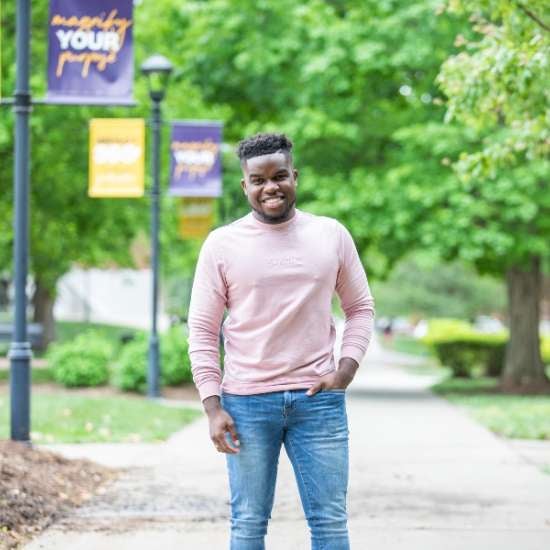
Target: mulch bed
<point>37,487</point>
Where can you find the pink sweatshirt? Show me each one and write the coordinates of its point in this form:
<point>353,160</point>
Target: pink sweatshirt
<point>277,283</point>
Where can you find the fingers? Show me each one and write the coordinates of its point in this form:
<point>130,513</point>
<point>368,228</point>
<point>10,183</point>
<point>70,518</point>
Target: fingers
<point>233,433</point>
<point>315,388</point>
<point>222,444</point>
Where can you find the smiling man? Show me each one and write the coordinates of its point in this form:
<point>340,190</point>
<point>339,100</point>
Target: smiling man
<point>275,271</point>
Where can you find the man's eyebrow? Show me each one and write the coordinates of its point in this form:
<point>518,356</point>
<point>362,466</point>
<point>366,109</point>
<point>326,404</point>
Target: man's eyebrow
<point>252,175</point>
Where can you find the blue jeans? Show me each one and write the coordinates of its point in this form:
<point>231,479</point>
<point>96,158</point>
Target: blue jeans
<point>314,431</point>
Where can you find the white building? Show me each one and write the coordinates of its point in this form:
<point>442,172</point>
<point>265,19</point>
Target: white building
<point>110,296</point>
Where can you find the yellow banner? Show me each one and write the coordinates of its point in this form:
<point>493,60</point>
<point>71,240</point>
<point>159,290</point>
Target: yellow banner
<point>116,165</point>
<point>196,217</point>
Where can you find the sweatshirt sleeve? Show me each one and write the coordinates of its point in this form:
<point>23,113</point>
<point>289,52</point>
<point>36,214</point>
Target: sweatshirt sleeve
<point>356,299</point>
<point>208,300</point>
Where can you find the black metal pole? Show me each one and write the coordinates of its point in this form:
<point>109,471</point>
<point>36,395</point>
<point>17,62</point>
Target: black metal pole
<point>153,385</point>
<point>20,350</point>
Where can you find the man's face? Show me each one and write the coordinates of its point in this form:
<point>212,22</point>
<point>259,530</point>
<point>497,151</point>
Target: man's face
<point>269,184</point>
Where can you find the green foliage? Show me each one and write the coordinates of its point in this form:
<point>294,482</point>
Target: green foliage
<point>176,366</point>
<point>442,329</point>
<point>497,85</point>
<point>423,286</point>
<point>500,81</point>
<point>130,367</point>
<point>468,352</point>
<point>476,354</point>
<point>81,362</point>
<point>340,79</point>
<point>130,373</point>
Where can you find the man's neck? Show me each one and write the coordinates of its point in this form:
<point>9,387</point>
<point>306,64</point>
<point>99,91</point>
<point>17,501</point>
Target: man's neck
<point>274,221</point>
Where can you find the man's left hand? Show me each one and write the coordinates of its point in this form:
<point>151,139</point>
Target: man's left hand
<point>337,380</point>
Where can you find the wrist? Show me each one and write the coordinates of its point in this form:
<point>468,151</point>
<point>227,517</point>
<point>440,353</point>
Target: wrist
<point>212,404</point>
<point>347,367</point>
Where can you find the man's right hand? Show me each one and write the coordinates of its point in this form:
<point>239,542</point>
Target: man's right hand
<point>220,423</point>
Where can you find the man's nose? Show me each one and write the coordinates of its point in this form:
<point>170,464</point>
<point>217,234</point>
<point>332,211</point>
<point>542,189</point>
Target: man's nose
<point>271,185</point>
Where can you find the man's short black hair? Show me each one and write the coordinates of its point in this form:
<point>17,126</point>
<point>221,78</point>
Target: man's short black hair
<point>263,144</point>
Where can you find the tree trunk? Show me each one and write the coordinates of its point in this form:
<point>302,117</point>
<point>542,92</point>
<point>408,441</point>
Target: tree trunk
<point>524,370</point>
<point>43,302</point>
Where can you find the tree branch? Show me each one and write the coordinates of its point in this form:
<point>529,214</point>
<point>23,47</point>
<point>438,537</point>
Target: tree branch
<point>532,16</point>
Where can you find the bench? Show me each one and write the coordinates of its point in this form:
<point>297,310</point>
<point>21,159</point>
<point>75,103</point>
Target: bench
<point>35,333</point>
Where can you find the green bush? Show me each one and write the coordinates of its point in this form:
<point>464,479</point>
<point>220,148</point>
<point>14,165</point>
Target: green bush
<point>474,354</point>
<point>130,373</point>
<point>130,368</point>
<point>176,367</point>
<point>83,361</point>
<point>443,330</point>
<point>467,352</point>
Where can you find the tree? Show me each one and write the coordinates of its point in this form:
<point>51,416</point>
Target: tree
<point>342,78</point>
<point>475,188</point>
<point>339,77</point>
<point>498,85</point>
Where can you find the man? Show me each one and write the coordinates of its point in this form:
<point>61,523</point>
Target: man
<point>275,270</point>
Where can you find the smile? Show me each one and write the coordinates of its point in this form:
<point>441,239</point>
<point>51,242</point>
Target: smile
<point>273,201</point>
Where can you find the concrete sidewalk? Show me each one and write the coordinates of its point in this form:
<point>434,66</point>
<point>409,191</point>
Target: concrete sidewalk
<point>423,476</point>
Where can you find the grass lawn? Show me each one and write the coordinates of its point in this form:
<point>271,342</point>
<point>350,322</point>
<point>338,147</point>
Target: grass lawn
<point>64,418</point>
<point>516,416</point>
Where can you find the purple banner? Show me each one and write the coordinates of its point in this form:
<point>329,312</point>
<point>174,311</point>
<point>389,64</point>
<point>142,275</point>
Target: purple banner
<point>90,52</point>
<point>195,159</point>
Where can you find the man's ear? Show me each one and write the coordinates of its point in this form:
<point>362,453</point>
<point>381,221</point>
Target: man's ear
<point>243,185</point>
<point>295,172</point>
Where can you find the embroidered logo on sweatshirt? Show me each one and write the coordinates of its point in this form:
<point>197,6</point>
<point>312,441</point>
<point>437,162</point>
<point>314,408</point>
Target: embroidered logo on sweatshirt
<point>286,261</point>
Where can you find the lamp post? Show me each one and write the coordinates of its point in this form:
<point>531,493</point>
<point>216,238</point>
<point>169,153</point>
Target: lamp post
<point>20,350</point>
<point>157,69</point>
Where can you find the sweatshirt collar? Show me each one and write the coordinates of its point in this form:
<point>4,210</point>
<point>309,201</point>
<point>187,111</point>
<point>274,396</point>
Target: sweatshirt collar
<point>275,226</point>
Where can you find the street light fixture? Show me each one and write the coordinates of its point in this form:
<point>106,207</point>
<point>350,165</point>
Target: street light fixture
<point>157,69</point>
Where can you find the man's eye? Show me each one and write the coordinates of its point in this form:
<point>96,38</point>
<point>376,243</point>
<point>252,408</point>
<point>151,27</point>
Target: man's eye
<point>257,182</point>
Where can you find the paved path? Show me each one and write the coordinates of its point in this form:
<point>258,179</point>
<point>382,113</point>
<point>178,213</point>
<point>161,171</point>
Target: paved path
<point>423,476</point>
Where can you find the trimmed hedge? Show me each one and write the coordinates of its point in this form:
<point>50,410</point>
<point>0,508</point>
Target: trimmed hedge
<point>130,369</point>
<point>467,352</point>
<point>444,330</point>
<point>81,362</point>
<point>480,353</point>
